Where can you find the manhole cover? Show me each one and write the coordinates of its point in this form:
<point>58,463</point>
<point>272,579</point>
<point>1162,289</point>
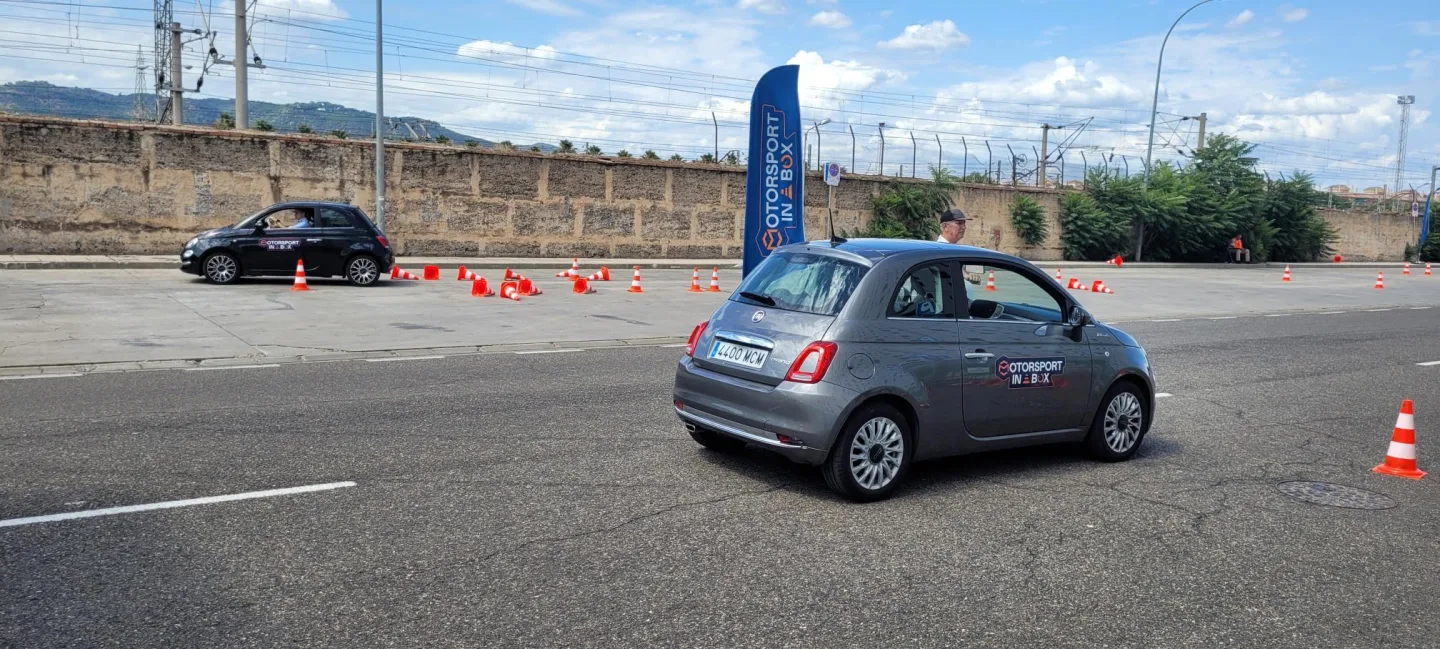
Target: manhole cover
<point>1335,495</point>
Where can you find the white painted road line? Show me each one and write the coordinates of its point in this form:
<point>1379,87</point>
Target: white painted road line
<point>679,345</point>
<point>171,504</point>
<point>1418,308</point>
<point>1429,364</point>
<point>40,376</point>
<point>1224,317</point>
<point>1162,395</point>
<point>1167,320</point>
<point>553,351</point>
<point>231,367</point>
<point>403,358</point>
<point>1277,315</point>
<point>1332,313</point>
<point>1375,310</point>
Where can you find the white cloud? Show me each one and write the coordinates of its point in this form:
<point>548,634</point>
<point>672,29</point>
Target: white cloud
<point>552,7</point>
<point>831,19</point>
<point>1062,81</point>
<point>1427,27</point>
<point>504,51</point>
<point>840,75</point>
<point>762,6</point>
<point>820,2</point>
<point>1241,19</point>
<point>1296,15</point>
<point>936,35</point>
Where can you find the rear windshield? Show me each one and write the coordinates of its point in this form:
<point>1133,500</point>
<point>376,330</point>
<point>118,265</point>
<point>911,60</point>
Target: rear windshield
<point>802,281</point>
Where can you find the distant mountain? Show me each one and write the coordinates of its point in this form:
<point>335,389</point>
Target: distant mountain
<point>44,98</point>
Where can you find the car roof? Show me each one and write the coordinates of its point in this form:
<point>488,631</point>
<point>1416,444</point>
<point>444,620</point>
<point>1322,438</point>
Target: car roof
<point>874,250</point>
<point>286,204</point>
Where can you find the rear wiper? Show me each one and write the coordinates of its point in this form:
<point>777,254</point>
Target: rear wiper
<point>763,299</point>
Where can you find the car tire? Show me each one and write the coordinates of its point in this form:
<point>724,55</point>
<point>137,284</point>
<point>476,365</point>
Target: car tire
<point>718,442</point>
<point>362,270</point>
<point>1120,424</point>
<point>876,438</point>
<point>220,268</point>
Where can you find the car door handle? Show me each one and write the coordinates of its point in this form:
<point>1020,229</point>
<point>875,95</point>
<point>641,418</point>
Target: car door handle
<point>981,356</point>
<point>312,241</point>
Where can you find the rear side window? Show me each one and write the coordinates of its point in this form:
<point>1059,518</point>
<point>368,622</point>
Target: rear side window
<point>924,293</point>
<point>333,218</point>
<point>801,281</point>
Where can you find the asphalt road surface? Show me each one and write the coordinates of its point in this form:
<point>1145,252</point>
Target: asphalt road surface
<point>552,500</point>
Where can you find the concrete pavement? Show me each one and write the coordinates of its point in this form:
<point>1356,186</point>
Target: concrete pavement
<point>548,500</point>
<point>99,320</point>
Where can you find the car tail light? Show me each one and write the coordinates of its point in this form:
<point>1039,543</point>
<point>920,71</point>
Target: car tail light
<point>383,241</point>
<point>810,365</point>
<point>695,334</point>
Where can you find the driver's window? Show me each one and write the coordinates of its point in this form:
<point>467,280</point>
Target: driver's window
<point>1002,294</point>
<point>924,294</point>
<point>295,217</point>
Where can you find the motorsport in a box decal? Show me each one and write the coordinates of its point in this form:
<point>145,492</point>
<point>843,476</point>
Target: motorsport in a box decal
<point>280,244</point>
<point>1029,372</point>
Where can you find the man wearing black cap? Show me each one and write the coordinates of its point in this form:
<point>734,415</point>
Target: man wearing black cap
<point>952,225</point>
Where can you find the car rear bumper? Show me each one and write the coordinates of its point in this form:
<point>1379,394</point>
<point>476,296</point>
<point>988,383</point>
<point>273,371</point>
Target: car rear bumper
<point>760,414</point>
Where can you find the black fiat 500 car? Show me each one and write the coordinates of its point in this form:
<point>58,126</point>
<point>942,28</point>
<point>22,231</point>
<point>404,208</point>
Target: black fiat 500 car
<point>333,239</point>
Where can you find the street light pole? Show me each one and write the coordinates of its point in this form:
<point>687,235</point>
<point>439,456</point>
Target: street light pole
<point>1154,109</point>
<point>379,120</point>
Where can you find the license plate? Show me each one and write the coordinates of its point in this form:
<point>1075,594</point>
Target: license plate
<point>739,354</point>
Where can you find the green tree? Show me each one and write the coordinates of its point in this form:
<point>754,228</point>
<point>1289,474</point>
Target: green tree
<point>1029,220</point>
<point>1087,233</point>
<point>977,178</point>
<point>1431,250</point>
<point>1299,232</point>
<point>912,210</point>
<point>262,125</point>
<point>507,145</point>
<point>471,143</point>
<point>651,155</point>
<point>623,154</point>
<point>708,157</point>
<point>566,146</point>
<point>339,133</point>
<point>591,149</point>
<point>730,158</point>
<point>442,139</point>
<point>675,157</point>
<point>303,128</point>
<point>535,148</point>
<point>225,120</point>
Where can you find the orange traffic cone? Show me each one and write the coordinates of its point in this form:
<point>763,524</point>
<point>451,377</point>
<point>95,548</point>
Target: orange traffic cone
<point>695,281</point>
<point>1380,281</point>
<point>432,273</point>
<point>990,282</point>
<point>1407,269</point>
<point>1400,459</point>
<point>1074,283</point>
<point>602,275</point>
<point>582,286</point>
<point>461,276</point>
<point>1058,277</point>
<point>510,290</point>
<point>509,275</point>
<point>1097,286</point>
<point>300,284</point>
<point>394,272</point>
<point>635,283</point>
<point>1106,289</point>
<point>574,269</point>
<point>1286,276</point>
<point>1119,261</point>
<point>480,288</point>
<point>714,280</point>
<point>1110,261</point>
<point>467,275</point>
<point>1427,269</point>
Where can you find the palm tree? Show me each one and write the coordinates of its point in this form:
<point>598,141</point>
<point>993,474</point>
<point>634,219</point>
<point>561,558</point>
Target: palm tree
<point>506,145</point>
<point>709,157</point>
<point>592,150</point>
<point>651,155</point>
<point>731,158</point>
<point>622,154</point>
<point>566,146</point>
<point>675,157</point>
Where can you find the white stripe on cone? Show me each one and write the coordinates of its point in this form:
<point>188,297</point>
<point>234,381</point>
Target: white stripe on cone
<point>1401,451</point>
<point>1405,421</point>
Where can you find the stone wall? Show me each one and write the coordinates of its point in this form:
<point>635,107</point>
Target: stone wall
<point>1372,237</point>
<point>79,187</point>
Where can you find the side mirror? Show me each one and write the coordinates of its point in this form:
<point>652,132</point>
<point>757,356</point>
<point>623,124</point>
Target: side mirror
<point>1078,319</point>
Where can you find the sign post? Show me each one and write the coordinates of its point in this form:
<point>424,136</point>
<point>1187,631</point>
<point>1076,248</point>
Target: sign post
<point>832,180</point>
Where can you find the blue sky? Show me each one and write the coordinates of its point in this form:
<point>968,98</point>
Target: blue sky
<point>1315,82</point>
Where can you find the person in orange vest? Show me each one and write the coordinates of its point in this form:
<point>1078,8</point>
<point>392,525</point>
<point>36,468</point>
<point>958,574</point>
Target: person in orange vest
<point>1238,250</point>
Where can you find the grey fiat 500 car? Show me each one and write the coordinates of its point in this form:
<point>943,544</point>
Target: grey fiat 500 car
<point>864,356</point>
